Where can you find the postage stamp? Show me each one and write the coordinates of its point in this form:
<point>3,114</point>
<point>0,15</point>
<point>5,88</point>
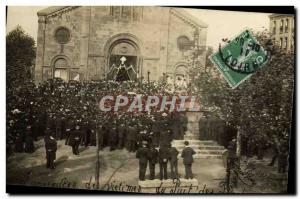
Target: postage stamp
<point>240,58</point>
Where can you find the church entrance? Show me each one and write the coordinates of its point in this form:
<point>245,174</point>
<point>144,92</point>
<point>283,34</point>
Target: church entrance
<point>123,61</point>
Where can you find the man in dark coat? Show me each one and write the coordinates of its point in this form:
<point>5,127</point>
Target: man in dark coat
<point>100,133</point>
<point>19,144</point>
<point>142,154</point>
<point>75,139</point>
<point>175,126</point>
<point>165,138</point>
<point>282,156</point>
<point>58,128</point>
<point>93,127</point>
<point>113,138</point>
<point>69,129</point>
<point>156,129</point>
<point>121,135</point>
<point>153,157</point>
<point>174,162</point>
<point>51,147</point>
<point>163,157</point>
<point>187,155</point>
<point>29,144</point>
<point>132,133</point>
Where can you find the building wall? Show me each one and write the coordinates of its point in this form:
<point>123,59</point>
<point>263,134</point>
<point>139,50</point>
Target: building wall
<point>95,29</point>
<point>286,30</point>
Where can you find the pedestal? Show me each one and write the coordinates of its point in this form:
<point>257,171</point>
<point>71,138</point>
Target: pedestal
<point>192,132</point>
<point>169,186</point>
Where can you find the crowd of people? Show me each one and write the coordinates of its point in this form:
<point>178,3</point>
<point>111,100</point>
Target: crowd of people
<point>60,107</point>
<point>69,110</point>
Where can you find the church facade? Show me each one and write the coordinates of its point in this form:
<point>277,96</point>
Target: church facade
<point>117,43</point>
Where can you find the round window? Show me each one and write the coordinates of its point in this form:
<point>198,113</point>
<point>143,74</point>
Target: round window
<point>62,35</point>
<point>183,43</point>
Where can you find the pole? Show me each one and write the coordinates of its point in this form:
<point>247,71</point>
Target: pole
<point>97,172</point>
<point>148,73</point>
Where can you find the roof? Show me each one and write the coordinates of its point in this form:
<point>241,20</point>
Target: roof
<point>51,10</point>
<point>280,15</point>
<point>179,11</point>
<point>190,18</point>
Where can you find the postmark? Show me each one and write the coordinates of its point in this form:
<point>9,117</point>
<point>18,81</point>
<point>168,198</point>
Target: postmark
<point>240,58</point>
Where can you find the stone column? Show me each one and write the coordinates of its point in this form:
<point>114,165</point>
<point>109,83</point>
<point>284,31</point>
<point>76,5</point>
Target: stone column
<point>39,61</point>
<point>84,40</point>
<point>192,132</point>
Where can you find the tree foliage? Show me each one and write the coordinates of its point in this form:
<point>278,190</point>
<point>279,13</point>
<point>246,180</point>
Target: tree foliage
<point>20,56</point>
<point>261,107</point>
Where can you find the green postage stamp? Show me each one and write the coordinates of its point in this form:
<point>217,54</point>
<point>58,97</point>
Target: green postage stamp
<point>240,58</point>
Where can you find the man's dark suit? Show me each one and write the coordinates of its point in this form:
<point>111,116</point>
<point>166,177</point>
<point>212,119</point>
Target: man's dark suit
<point>153,156</point>
<point>142,154</point>
<point>163,156</point>
<point>187,155</point>
<point>174,162</point>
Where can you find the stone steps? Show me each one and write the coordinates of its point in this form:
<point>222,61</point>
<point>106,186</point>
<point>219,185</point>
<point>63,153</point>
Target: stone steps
<point>205,149</point>
<point>212,152</point>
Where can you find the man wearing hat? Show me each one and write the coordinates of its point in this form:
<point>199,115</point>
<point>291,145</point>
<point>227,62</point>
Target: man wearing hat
<point>113,137</point>
<point>121,135</point>
<point>51,148</point>
<point>132,131</point>
<point>153,158</point>
<point>29,144</point>
<point>174,162</point>
<point>19,144</point>
<point>142,154</point>
<point>165,137</point>
<point>187,155</point>
<point>75,139</point>
<point>163,157</point>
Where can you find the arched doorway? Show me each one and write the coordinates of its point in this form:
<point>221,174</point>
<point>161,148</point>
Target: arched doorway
<point>61,69</point>
<point>123,58</point>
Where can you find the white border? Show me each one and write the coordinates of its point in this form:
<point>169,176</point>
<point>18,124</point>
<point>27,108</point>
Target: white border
<point>3,4</point>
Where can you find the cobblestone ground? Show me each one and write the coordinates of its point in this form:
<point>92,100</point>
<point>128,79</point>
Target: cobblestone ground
<point>119,171</point>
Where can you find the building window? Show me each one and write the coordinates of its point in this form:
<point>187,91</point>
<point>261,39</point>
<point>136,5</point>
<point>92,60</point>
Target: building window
<point>62,35</point>
<point>285,43</point>
<point>280,42</point>
<point>183,43</point>
<point>126,12</point>
<point>286,27</point>
<point>61,69</point>
<point>274,27</point>
<point>281,26</point>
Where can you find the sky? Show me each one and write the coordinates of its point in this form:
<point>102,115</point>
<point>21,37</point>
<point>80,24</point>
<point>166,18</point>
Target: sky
<point>221,24</point>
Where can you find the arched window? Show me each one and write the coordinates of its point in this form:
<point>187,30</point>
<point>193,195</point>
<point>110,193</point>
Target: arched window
<point>62,35</point>
<point>183,43</point>
<point>61,69</point>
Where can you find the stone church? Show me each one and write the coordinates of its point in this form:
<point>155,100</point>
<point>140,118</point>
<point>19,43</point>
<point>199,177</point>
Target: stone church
<point>117,42</point>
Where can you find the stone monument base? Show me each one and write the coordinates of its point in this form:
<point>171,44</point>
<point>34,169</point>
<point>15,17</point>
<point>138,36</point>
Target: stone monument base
<point>169,186</point>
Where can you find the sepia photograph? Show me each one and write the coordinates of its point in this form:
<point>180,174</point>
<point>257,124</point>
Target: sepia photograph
<point>150,99</point>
